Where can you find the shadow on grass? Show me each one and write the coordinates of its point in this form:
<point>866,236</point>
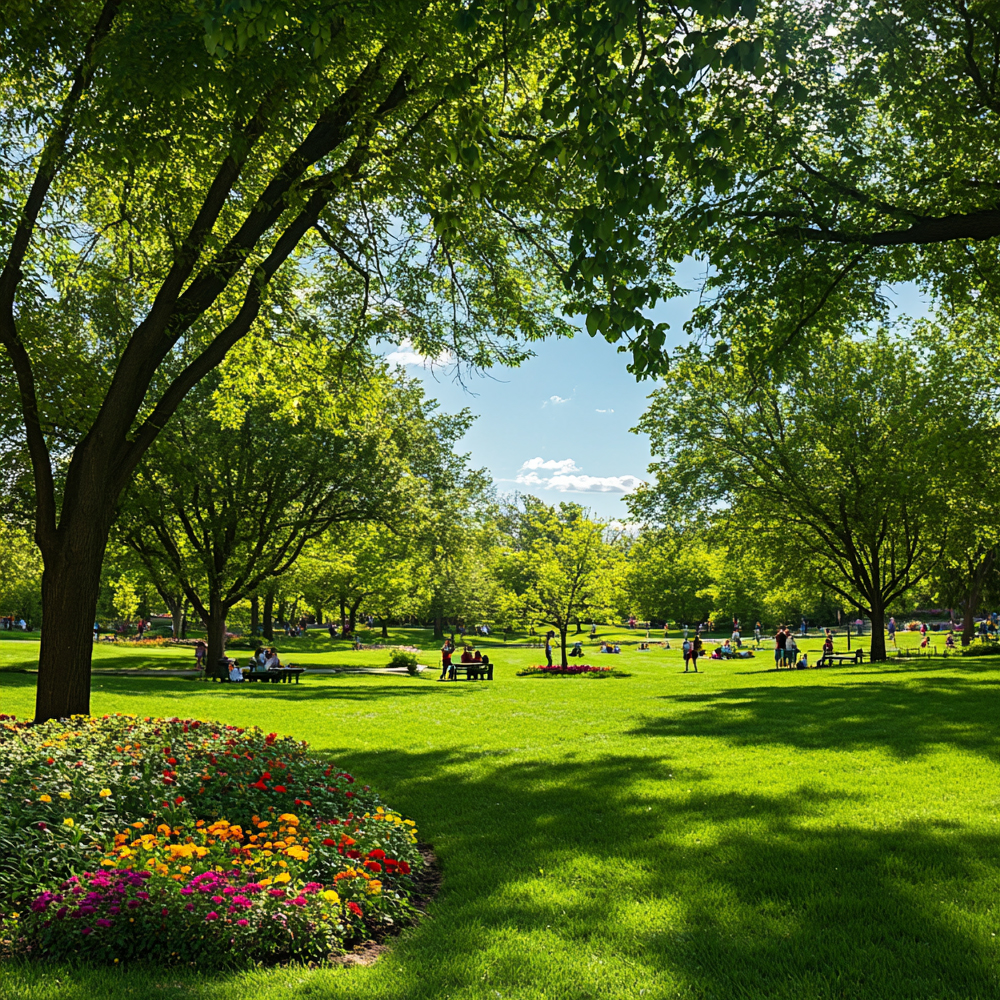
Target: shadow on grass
<point>903,719</point>
<point>728,894</point>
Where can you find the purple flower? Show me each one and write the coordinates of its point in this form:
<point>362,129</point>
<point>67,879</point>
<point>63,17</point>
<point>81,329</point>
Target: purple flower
<point>103,923</point>
<point>133,903</point>
<point>61,912</point>
<point>212,915</point>
<point>115,909</point>
<point>189,906</point>
<point>86,930</point>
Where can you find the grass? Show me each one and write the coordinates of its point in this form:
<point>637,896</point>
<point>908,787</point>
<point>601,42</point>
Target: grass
<point>739,833</point>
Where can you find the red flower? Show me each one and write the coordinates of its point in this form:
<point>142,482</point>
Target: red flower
<point>266,776</point>
<point>354,854</point>
<point>355,909</point>
<point>259,785</point>
<point>377,853</point>
<point>329,842</point>
<point>373,866</point>
<point>349,795</point>
<point>280,788</point>
<point>404,867</point>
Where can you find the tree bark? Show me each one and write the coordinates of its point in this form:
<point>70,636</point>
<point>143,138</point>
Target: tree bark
<point>579,627</point>
<point>215,625</point>
<point>385,627</point>
<point>70,587</point>
<point>354,614</point>
<point>254,615</point>
<point>269,616</point>
<point>438,627</point>
<point>878,634</point>
<point>562,642</point>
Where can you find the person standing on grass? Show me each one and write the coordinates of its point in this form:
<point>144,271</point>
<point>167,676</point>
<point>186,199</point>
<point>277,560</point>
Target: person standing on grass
<point>686,648</point>
<point>548,647</point>
<point>892,631</point>
<point>791,650</point>
<point>696,649</point>
<point>445,660</point>
<point>200,652</point>
<point>756,632</point>
<point>779,648</point>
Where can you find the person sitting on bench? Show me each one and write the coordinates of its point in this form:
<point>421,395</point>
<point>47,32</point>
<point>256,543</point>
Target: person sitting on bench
<point>477,657</point>
<point>466,655</point>
<point>272,662</point>
<point>235,674</point>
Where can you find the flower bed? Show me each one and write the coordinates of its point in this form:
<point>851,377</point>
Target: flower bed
<point>180,840</point>
<point>573,670</point>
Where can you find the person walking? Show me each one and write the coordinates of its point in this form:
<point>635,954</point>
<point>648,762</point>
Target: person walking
<point>892,631</point>
<point>200,652</point>
<point>756,633</point>
<point>686,647</point>
<point>696,648</point>
<point>548,647</point>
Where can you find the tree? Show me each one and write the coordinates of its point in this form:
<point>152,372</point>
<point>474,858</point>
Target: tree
<point>841,471</point>
<point>667,575</point>
<point>568,570</point>
<point>469,175</point>
<point>226,510</point>
<point>862,156</point>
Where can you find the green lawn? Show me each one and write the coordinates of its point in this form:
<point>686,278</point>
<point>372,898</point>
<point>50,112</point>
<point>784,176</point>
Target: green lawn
<point>736,833</point>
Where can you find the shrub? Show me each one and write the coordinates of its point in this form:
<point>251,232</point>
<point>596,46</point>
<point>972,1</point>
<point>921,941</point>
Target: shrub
<point>913,626</point>
<point>181,840</point>
<point>403,660</point>
<point>983,649</point>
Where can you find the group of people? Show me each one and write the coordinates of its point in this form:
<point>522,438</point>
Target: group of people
<point>264,660</point>
<point>469,657</point>
<point>10,623</point>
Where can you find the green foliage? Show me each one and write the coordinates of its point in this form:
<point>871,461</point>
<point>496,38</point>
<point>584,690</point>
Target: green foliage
<point>402,660</point>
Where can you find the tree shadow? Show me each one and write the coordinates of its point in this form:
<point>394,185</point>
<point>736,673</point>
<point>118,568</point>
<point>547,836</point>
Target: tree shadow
<point>904,720</point>
<point>719,894</point>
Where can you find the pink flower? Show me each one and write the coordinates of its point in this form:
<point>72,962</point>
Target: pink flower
<point>189,906</point>
<point>242,923</point>
<point>212,915</point>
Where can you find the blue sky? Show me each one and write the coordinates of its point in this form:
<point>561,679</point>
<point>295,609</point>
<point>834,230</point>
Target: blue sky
<point>558,426</point>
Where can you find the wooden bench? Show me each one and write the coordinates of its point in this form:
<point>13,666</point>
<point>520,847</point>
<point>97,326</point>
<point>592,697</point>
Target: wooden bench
<point>855,656</point>
<point>472,671</point>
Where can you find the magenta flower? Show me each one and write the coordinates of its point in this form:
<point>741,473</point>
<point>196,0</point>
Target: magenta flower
<point>212,915</point>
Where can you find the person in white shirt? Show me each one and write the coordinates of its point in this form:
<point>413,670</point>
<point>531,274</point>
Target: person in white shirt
<point>235,674</point>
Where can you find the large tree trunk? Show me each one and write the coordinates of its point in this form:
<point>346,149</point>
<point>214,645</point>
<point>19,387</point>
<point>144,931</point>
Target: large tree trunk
<point>254,616</point>
<point>354,614</point>
<point>70,586</point>
<point>878,634</point>
<point>562,643</point>
<point>385,627</point>
<point>269,616</point>
<point>579,627</point>
<point>438,627</point>
<point>216,628</point>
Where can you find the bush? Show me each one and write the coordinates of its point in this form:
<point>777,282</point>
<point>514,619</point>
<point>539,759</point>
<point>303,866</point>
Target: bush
<point>403,660</point>
<point>983,649</point>
<point>913,626</point>
<point>180,840</point>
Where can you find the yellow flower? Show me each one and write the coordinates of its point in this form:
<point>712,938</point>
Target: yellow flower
<point>331,897</point>
<point>290,818</point>
<point>104,793</point>
<point>45,798</point>
<point>283,877</point>
<point>65,795</point>
<point>68,821</point>
<point>374,886</point>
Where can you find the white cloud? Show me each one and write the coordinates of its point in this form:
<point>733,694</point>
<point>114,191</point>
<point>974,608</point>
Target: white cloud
<point>561,465</point>
<point>406,355</point>
<point>556,400</point>
<point>563,479</point>
<point>604,411</point>
<point>594,484</point>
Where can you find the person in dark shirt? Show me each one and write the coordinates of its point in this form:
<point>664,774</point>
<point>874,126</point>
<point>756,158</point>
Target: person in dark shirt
<point>779,648</point>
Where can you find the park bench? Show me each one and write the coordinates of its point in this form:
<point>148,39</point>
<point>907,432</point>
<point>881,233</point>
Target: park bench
<point>472,671</point>
<point>855,656</point>
<point>283,676</point>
